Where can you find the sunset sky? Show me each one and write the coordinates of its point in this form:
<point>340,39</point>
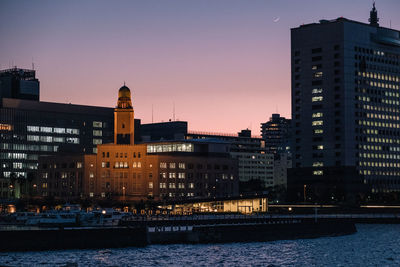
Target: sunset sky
<point>225,64</point>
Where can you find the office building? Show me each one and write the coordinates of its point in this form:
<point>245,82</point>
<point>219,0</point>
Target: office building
<point>19,84</point>
<point>276,133</point>
<point>30,128</point>
<point>345,108</point>
<point>255,164</point>
<point>124,170</point>
<point>162,131</point>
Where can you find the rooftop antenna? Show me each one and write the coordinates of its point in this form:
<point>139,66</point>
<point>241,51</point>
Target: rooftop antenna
<point>173,113</point>
<point>33,65</point>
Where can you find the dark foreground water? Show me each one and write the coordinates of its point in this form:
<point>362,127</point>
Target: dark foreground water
<point>373,245</point>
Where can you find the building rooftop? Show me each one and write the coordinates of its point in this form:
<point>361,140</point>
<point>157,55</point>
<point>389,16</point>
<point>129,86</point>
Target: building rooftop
<point>53,107</point>
<point>340,20</point>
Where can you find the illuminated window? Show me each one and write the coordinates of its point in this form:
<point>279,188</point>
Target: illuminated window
<point>72,131</point>
<point>320,147</point>
<point>317,115</point>
<point>163,165</point>
<point>33,138</point>
<point>59,139</point>
<point>59,130</point>
<point>317,98</point>
<point>172,175</point>
<point>47,139</point>
<point>171,185</point>
<point>317,123</point>
<point>97,133</point>
<point>181,175</point>
<point>318,164</point>
<point>163,185</point>
<point>32,128</point>
<point>46,129</point>
<point>97,141</point>
<point>318,172</point>
<point>317,90</point>
<point>72,140</point>
<point>150,185</point>
<point>182,165</point>
<point>97,124</point>
<point>318,74</point>
<point>172,165</point>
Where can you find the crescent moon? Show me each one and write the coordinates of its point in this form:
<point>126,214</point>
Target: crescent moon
<point>277,19</point>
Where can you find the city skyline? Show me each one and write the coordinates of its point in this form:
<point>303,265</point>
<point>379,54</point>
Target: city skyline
<point>221,67</point>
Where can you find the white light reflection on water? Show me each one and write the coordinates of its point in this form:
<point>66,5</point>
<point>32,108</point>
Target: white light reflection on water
<point>373,245</point>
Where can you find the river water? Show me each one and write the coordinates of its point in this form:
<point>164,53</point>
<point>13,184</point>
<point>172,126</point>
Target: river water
<point>372,245</point>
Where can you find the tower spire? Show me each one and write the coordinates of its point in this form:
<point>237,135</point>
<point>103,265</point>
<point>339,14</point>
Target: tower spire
<point>373,16</point>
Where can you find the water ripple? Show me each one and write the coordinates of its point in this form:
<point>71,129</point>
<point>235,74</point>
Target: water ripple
<point>372,245</point>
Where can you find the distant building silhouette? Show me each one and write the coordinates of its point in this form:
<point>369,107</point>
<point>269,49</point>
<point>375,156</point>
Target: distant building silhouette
<point>19,84</point>
<point>276,133</point>
<point>345,109</point>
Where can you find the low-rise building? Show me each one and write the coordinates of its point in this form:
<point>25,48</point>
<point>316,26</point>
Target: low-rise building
<point>124,170</point>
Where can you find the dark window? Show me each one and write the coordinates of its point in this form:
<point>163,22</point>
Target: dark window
<point>317,58</point>
<point>318,82</point>
<point>316,50</point>
<point>314,107</point>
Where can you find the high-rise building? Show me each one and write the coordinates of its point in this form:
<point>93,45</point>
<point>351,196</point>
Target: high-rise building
<point>345,107</point>
<point>19,83</point>
<point>276,133</point>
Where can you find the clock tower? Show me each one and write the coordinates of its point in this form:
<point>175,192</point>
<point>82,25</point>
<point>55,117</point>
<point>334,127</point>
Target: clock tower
<point>124,132</point>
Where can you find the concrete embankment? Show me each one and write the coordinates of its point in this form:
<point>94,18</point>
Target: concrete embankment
<point>169,231</point>
<point>71,238</point>
<point>251,232</point>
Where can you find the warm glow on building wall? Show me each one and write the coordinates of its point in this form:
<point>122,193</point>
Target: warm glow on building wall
<point>124,132</point>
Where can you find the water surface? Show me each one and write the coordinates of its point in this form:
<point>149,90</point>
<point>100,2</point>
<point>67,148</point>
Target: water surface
<point>372,245</point>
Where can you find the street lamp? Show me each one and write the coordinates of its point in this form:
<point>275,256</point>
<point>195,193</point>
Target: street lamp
<point>304,193</point>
